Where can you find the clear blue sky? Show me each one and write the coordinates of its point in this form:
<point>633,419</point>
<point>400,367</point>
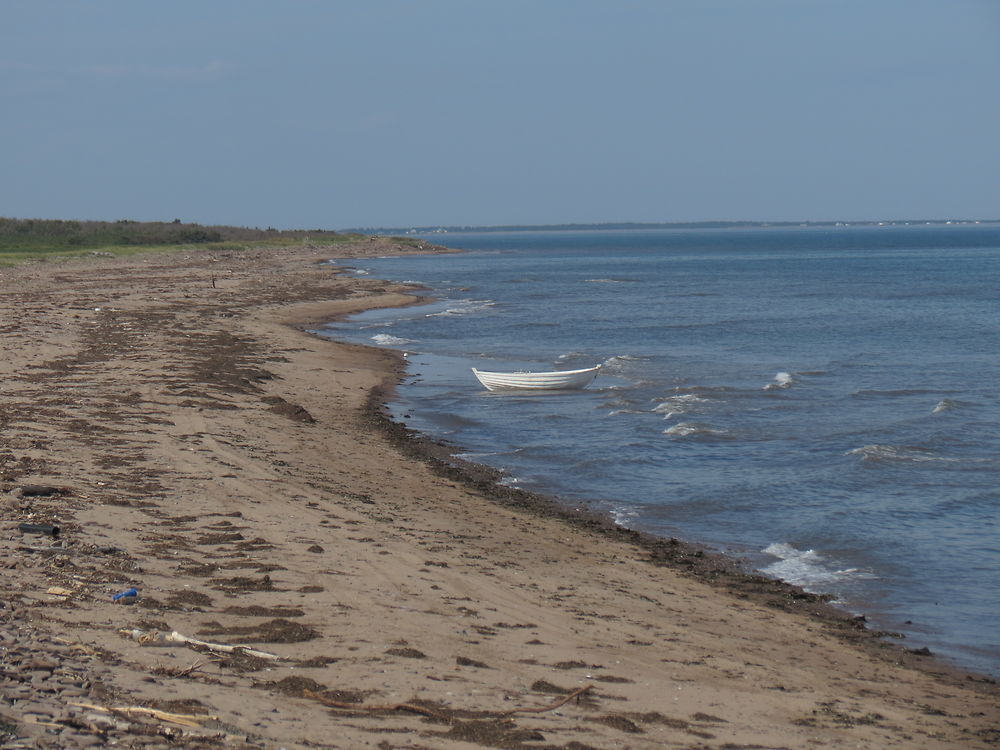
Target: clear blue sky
<point>329,114</point>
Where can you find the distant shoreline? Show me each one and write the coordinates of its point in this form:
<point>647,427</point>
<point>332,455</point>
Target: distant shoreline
<point>620,226</point>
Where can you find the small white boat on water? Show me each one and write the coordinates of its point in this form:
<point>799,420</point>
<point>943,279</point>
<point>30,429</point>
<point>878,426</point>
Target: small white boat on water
<point>560,380</point>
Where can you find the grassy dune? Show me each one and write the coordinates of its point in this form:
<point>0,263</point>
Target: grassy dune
<point>49,239</point>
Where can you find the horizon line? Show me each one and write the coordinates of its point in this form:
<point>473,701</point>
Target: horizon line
<point>611,225</point>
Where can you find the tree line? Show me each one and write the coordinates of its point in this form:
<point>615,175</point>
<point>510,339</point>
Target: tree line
<point>28,235</point>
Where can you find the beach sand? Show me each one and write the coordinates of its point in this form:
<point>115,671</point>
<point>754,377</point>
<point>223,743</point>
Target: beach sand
<point>190,439</point>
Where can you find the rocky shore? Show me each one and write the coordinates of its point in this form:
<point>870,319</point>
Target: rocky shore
<point>308,574</point>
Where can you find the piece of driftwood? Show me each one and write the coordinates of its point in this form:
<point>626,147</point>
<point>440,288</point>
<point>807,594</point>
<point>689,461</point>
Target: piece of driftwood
<point>434,714</point>
<point>156,638</point>
<point>180,671</point>
<point>552,706</point>
<point>187,720</point>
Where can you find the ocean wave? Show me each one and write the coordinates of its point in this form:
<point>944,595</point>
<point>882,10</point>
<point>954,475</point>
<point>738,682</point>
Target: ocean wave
<point>705,389</point>
<point>621,362</point>
<point>386,339</point>
<point>808,568</point>
<point>697,431</point>
<point>464,307</point>
<point>624,515</point>
<point>679,404</point>
<point>947,404</point>
<point>475,456</point>
<point>892,393</point>
<point>879,453</point>
<point>610,281</point>
<point>781,380</point>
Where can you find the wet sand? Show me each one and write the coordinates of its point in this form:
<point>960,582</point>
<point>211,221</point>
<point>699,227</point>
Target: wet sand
<point>172,417</point>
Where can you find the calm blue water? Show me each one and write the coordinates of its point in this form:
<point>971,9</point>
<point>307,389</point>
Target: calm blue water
<point>821,401</point>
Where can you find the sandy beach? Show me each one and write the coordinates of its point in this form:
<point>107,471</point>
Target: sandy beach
<point>173,417</point>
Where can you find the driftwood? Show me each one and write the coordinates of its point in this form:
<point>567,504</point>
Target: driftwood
<point>168,639</point>
<point>434,714</point>
<point>186,720</point>
<point>562,701</point>
<point>181,671</point>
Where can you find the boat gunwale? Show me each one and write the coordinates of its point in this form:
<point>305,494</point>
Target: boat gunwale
<point>559,373</point>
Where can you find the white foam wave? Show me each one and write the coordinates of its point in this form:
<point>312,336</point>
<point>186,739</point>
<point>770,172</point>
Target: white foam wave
<point>464,307</point>
<point>720,389</point>
<point>474,457</point>
<point>808,568</point>
<point>694,430</point>
<point>610,281</point>
<point>621,363</point>
<point>678,404</point>
<point>781,380</point>
<point>946,404</point>
<point>386,339</point>
<point>627,358</point>
<point>625,366</point>
<point>624,515</point>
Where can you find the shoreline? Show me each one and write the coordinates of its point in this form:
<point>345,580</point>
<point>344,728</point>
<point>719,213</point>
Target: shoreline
<point>244,476</point>
<point>729,574</point>
<point>702,559</point>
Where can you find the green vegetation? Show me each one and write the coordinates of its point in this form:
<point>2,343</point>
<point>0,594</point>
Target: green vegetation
<point>25,239</point>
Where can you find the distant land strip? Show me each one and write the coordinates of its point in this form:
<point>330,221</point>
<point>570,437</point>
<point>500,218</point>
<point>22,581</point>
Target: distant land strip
<point>39,239</point>
<point>53,233</point>
<point>659,225</point>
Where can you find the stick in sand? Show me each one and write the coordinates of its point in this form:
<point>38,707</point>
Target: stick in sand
<point>162,639</point>
<point>186,720</point>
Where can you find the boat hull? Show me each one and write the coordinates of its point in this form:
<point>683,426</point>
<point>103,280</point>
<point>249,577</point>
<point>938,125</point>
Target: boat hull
<point>562,380</point>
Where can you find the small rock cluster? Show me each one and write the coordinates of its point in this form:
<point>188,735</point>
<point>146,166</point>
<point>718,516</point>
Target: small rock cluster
<point>46,686</point>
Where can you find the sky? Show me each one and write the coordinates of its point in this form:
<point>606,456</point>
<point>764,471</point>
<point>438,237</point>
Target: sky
<point>333,114</point>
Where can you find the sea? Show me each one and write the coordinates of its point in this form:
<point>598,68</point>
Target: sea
<point>820,402</point>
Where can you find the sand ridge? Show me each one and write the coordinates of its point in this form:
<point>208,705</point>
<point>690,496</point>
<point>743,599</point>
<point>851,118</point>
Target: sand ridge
<point>211,453</point>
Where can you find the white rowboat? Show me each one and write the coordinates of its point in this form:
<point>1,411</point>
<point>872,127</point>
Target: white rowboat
<point>548,381</point>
